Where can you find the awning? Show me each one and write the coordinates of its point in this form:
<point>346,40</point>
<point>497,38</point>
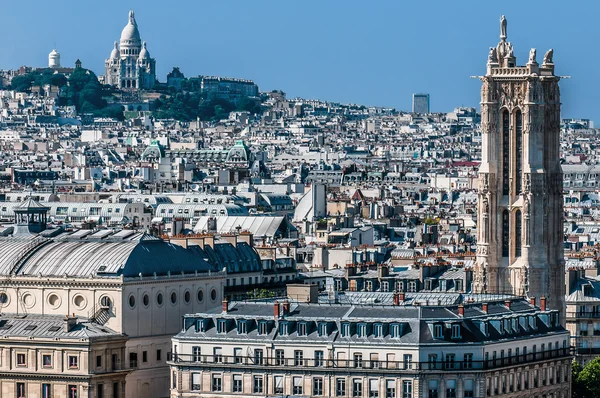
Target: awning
<point>157,220</point>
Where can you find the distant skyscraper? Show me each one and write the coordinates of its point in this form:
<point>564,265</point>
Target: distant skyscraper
<point>520,204</point>
<point>420,103</point>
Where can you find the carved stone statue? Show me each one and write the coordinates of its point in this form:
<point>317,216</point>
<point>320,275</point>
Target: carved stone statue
<point>511,52</point>
<point>548,56</point>
<point>532,56</point>
<point>502,27</point>
<point>492,57</point>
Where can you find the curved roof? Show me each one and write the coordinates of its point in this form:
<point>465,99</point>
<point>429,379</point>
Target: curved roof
<point>130,32</point>
<point>110,255</point>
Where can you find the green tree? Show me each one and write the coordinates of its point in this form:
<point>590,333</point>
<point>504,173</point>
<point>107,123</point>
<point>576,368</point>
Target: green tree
<point>22,83</point>
<point>586,381</point>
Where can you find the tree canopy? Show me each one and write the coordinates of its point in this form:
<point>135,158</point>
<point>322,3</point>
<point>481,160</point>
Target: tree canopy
<point>187,106</point>
<point>586,381</point>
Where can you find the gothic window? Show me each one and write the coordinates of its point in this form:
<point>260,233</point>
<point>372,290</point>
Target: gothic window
<point>518,223</point>
<point>519,150</point>
<point>505,151</point>
<point>505,233</point>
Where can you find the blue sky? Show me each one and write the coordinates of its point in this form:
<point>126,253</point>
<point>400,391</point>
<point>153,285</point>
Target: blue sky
<point>372,53</point>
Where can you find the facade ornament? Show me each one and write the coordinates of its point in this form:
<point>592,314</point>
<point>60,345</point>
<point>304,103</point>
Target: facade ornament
<point>526,207</point>
<point>502,27</point>
<point>548,57</point>
<point>532,56</point>
<point>492,56</point>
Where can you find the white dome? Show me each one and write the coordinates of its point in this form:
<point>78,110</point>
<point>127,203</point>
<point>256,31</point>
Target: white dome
<point>130,31</point>
<point>54,54</point>
<point>114,54</point>
<point>144,54</point>
<point>54,59</point>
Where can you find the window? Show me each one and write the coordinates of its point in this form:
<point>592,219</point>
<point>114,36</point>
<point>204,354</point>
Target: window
<point>258,356</point>
<point>407,361</point>
<point>433,389</point>
<point>144,356</point>
<point>20,390</point>
<point>298,358</point>
<point>518,227</point>
<point>432,361</point>
<point>133,359</point>
<point>395,330</point>
<point>378,330</point>
<point>302,329</point>
<point>73,362</point>
<point>319,357</point>
<point>407,389</point>
<point>217,383</point>
<point>173,297</point>
<point>390,389</point>
<point>237,383</point>
<point>99,391</point>
<point>317,386</point>
<point>362,330</point>
<point>358,360</point>
<point>195,382</point>
<point>456,331</point>
<point>468,387</point>
<point>322,329</point>
<point>283,329</point>
<point>47,361</point>
<point>279,359</point>
<point>357,388</point>
<point>505,151</point>
<point>158,355</point>
<point>21,360</point>
<point>449,361</point>
<point>340,387</point>
<point>262,328</point>
<point>98,361</point>
<point>257,385</point>
<point>196,351</point>
<point>373,388</point>
<point>468,361</point>
<point>218,355</point>
<point>72,391</point>
<point>278,384</point>
<point>346,330</point>
<point>438,331</point>
<point>116,388</point>
<point>221,326</point>
<point>519,150</point>
<point>297,385</point>
<point>451,388</point>
<point>505,233</point>
<point>242,327</point>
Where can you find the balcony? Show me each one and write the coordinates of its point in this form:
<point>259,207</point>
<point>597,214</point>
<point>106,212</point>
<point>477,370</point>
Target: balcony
<point>574,315</point>
<point>212,361</point>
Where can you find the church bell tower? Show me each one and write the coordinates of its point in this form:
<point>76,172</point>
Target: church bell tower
<point>520,203</point>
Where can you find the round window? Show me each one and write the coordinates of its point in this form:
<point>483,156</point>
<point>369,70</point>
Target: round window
<point>79,301</point>
<point>105,302</point>
<point>159,299</point>
<point>28,300</point>
<point>173,297</point>
<point>200,295</point>
<point>132,301</point>
<point>187,297</point>
<point>3,298</point>
<point>213,294</point>
<point>54,300</point>
<point>146,300</point>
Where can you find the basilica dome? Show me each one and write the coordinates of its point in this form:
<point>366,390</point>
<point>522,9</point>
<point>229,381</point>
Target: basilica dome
<point>115,52</point>
<point>144,54</point>
<point>130,33</point>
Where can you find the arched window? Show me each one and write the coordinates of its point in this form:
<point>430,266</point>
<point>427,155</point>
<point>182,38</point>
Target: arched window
<point>519,150</point>
<point>505,151</point>
<point>518,224</point>
<point>505,233</point>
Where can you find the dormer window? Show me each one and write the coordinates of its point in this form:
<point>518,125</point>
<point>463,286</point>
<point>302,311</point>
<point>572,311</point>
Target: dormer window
<point>395,330</point>
<point>222,326</point>
<point>438,332</point>
<point>322,329</point>
<point>283,329</point>
<point>346,330</point>
<point>242,327</point>
<point>201,325</point>
<point>378,330</point>
<point>262,328</point>
<point>507,326</point>
<point>302,329</point>
<point>362,330</point>
<point>456,331</point>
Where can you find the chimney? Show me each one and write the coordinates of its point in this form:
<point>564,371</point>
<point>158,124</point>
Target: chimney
<point>532,301</point>
<point>543,303</point>
<point>396,299</point>
<point>350,270</point>
<point>507,303</point>
<point>286,307</point>
<point>276,310</point>
<point>461,310</point>
<point>484,307</point>
<point>225,305</point>
<point>402,296</point>
<point>384,271</point>
<point>70,322</point>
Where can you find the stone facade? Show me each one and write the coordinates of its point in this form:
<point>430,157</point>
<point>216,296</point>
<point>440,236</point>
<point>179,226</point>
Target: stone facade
<point>519,248</point>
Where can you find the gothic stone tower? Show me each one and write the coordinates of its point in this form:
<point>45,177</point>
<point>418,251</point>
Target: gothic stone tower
<point>520,213</point>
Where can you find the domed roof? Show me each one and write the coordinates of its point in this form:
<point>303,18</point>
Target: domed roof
<point>54,54</point>
<point>114,54</point>
<point>130,31</point>
<point>144,54</point>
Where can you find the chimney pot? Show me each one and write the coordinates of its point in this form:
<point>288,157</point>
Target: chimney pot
<point>543,303</point>
<point>225,305</point>
<point>484,307</point>
<point>461,310</point>
<point>532,301</point>
<point>276,310</point>
<point>507,303</point>
<point>286,307</point>
<point>402,296</point>
<point>396,299</point>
